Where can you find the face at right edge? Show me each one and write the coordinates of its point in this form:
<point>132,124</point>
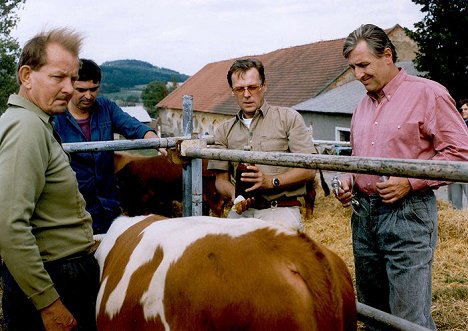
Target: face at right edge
<point>464,111</point>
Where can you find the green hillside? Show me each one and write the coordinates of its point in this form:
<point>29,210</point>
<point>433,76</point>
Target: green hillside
<point>122,75</point>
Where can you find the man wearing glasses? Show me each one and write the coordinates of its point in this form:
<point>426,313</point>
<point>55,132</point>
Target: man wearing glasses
<point>272,190</point>
<point>92,118</point>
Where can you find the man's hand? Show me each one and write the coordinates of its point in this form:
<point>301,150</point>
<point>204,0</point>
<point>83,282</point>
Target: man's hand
<point>57,317</point>
<point>224,186</point>
<point>262,181</point>
<point>393,189</point>
<point>345,193</point>
<point>151,135</point>
<point>163,151</point>
<point>256,177</point>
<point>243,205</point>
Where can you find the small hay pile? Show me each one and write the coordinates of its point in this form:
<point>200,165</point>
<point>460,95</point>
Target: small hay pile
<point>330,225</point>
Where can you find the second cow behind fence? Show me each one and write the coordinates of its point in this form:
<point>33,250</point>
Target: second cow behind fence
<point>150,185</point>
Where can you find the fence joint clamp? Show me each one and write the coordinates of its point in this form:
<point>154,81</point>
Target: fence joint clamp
<point>187,144</point>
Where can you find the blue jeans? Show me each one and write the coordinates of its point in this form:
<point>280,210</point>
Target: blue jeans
<point>455,194</point>
<point>393,249</point>
<point>77,282</point>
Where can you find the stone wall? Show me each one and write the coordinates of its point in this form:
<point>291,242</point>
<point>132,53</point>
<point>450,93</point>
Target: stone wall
<point>203,122</point>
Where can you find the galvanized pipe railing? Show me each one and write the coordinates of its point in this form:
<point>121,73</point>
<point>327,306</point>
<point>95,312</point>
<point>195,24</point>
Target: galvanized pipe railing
<point>122,145</point>
<point>192,185</point>
<point>332,142</point>
<point>448,170</point>
<point>385,321</point>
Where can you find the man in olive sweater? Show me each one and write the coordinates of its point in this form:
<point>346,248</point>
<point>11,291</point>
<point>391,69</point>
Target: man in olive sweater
<point>50,275</point>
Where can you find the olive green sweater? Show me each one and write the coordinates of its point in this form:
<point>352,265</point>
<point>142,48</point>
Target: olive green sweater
<point>43,216</point>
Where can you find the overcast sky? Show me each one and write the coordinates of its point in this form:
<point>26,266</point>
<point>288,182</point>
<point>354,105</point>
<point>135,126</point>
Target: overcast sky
<point>185,35</point>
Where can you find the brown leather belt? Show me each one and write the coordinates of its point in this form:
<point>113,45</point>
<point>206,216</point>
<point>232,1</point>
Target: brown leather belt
<point>282,202</point>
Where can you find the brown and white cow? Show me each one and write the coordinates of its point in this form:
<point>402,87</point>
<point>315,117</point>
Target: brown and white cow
<point>206,273</point>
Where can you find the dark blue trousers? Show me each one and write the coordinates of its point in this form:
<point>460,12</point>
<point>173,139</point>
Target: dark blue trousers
<point>75,279</point>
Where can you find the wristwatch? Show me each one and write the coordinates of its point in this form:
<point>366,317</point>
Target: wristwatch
<point>275,181</point>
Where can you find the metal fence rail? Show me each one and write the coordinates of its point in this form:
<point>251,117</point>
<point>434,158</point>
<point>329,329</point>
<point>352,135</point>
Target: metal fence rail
<point>448,170</point>
<point>121,145</point>
<point>385,321</point>
<point>169,142</point>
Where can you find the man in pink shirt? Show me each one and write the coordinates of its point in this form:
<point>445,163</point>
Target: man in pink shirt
<point>395,224</point>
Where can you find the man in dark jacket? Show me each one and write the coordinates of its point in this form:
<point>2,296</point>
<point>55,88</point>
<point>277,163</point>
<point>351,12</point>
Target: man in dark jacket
<point>92,118</point>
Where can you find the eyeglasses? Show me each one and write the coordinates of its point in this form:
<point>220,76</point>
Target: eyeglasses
<point>251,88</point>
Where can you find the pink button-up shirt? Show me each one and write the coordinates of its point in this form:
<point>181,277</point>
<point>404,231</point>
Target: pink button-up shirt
<point>416,119</point>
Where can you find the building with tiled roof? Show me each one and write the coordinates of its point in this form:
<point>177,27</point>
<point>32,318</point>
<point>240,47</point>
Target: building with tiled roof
<point>294,75</point>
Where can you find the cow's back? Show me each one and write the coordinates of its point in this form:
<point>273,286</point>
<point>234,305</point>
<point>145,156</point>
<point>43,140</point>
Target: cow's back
<point>202,273</point>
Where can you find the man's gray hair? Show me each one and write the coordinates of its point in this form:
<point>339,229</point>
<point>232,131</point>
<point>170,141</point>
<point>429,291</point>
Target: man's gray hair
<point>34,51</point>
<point>376,39</point>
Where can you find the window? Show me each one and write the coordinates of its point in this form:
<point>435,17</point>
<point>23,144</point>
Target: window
<point>342,134</point>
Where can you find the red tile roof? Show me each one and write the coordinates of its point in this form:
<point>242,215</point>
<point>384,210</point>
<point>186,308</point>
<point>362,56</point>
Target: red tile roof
<point>293,75</point>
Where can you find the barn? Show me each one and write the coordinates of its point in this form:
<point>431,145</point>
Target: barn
<point>294,75</point>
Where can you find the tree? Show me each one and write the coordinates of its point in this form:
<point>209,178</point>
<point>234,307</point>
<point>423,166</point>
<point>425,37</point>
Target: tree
<point>9,50</point>
<point>173,85</point>
<point>152,94</point>
<point>131,100</point>
<point>443,44</point>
